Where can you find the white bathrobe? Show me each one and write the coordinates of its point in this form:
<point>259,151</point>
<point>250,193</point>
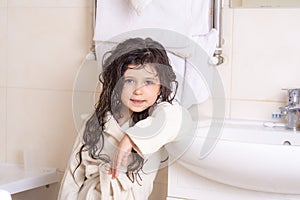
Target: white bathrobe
<point>91,180</point>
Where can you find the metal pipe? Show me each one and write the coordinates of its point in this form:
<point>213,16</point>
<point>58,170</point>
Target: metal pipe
<point>93,9</point>
<point>93,16</point>
<point>217,24</point>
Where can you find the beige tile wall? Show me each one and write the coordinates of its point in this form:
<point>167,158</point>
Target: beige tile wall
<point>3,80</point>
<point>3,47</point>
<point>57,45</point>
<point>3,3</point>
<point>160,187</point>
<point>47,130</point>
<point>49,3</point>
<point>226,68</point>
<point>43,44</point>
<point>264,60</point>
<point>2,124</point>
<point>45,47</point>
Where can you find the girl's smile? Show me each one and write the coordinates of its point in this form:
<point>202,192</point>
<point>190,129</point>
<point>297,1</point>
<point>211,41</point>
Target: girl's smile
<point>137,102</point>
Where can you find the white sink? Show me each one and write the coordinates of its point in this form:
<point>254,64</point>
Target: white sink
<point>4,195</point>
<point>247,155</point>
<point>15,178</point>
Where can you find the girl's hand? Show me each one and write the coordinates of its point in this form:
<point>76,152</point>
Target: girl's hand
<point>121,155</point>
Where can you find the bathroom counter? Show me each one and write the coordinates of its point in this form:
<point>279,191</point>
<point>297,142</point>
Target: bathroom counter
<point>14,178</point>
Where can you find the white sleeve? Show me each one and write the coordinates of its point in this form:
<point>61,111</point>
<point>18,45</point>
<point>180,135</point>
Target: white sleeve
<point>162,127</point>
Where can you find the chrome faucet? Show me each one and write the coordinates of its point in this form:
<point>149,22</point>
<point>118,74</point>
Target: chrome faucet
<point>292,110</point>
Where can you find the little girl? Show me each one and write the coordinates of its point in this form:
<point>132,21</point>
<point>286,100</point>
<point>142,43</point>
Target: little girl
<point>118,151</point>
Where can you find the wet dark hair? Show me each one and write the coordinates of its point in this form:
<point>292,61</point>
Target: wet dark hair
<point>134,51</point>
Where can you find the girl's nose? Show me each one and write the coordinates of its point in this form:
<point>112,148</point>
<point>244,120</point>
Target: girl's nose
<point>138,90</point>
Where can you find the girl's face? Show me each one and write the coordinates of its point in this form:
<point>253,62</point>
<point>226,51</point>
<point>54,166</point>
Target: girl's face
<point>141,88</point>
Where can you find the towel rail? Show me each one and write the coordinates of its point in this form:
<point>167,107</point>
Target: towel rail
<point>217,24</point>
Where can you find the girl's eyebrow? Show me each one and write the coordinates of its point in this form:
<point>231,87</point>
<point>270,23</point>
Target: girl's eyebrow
<point>147,77</point>
<point>129,76</point>
<point>153,78</point>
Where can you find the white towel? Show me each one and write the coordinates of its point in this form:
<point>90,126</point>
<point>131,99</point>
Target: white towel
<point>178,65</point>
<point>139,5</point>
<point>191,18</point>
<point>195,88</point>
<point>192,87</point>
<point>208,42</point>
<point>188,17</point>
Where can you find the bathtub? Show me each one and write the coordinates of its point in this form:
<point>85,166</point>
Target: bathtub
<point>14,178</point>
<point>243,156</point>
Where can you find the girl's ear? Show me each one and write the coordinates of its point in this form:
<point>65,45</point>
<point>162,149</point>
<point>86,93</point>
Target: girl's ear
<point>159,97</point>
<point>159,91</point>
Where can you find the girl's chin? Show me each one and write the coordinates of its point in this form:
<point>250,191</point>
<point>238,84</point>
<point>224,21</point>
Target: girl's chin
<point>137,109</point>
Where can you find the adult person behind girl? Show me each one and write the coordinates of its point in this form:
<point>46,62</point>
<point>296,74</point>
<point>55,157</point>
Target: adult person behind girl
<point>117,153</point>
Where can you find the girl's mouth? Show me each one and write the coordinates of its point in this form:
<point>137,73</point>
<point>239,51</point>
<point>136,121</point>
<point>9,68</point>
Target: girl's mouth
<point>137,102</point>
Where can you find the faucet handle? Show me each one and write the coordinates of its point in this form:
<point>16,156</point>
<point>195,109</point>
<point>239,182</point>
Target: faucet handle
<point>283,110</point>
<point>293,95</point>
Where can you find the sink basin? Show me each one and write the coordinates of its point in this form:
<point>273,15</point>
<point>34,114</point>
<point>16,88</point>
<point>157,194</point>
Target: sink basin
<point>15,178</point>
<point>247,155</point>
<point>4,195</point>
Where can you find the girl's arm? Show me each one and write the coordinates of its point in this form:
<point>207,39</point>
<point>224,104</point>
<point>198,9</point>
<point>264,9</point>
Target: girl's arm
<point>165,125</point>
<point>121,155</point>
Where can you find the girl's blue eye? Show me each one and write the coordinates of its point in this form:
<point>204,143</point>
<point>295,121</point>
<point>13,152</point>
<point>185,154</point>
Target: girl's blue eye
<point>149,82</point>
<point>128,81</point>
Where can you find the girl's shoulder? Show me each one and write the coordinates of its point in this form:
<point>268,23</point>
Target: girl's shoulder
<point>167,107</point>
<point>167,104</point>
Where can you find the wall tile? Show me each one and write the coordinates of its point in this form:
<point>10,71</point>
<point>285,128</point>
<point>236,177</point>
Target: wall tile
<point>265,54</point>
<point>45,193</point>
<point>49,3</point>
<point>3,46</point>
<point>205,110</point>
<point>40,122</point>
<point>3,3</point>
<point>159,191</point>
<point>227,109</point>
<point>254,110</point>
<point>46,46</point>
<point>83,104</point>
<point>226,2</point>
<point>225,68</point>
<point>87,76</point>
<point>160,186</point>
<point>162,176</point>
<point>2,124</point>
